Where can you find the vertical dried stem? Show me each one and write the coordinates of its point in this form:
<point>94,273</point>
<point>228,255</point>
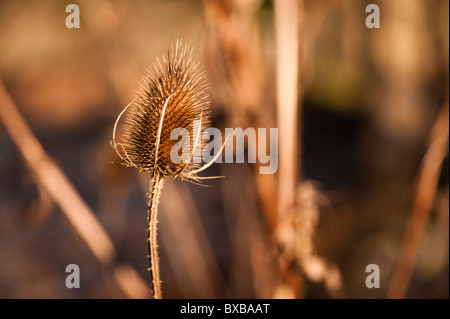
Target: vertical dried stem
<point>426,192</point>
<point>64,194</point>
<point>156,185</point>
<point>287,31</point>
<point>287,38</point>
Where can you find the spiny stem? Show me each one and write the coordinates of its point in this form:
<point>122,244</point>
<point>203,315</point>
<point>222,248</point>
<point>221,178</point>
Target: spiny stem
<point>156,185</point>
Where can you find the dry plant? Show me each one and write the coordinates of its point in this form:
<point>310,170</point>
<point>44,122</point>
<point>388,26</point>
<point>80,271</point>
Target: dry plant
<point>120,64</point>
<point>297,234</point>
<point>423,203</point>
<point>173,95</point>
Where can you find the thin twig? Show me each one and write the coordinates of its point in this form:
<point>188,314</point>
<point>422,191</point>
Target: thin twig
<point>423,202</point>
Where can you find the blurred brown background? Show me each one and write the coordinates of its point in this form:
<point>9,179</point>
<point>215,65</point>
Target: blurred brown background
<point>368,101</point>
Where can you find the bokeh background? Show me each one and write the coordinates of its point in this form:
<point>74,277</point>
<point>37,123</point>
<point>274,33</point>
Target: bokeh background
<point>368,99</point>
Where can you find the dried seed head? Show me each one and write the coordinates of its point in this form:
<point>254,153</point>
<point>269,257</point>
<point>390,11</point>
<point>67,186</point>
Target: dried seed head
<point>173,95</point>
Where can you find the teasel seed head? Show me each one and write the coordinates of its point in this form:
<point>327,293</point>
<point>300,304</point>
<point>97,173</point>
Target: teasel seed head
<point>173,94</point>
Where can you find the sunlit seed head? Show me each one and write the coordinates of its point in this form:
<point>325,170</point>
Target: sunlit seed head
<point>177,86</point>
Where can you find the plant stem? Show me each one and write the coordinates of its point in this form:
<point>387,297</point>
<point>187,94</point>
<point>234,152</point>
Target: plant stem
<point>51,178</point>
<point>289,37</point>
<point>156,185</point>
<point>423,204</point>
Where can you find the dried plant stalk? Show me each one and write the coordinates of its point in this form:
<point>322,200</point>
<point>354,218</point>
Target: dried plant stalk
<point>156,185</point>
<point>423,203</point>
<point>173,95</point>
